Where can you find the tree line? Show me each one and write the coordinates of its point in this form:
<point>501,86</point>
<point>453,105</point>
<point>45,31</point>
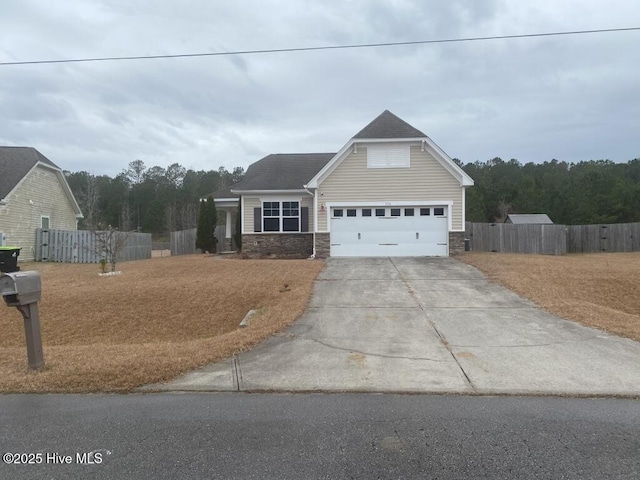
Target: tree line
<point>155,200</point>
<point>588,192</point>
<point>158,200</point>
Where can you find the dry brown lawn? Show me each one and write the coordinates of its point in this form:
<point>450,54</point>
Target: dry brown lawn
<point>599,290</point>
<point>160,318</point>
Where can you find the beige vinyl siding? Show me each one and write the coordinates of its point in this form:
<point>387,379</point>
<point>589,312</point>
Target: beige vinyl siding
<point>425,180</point>
<point>39,194</point>
<point>247,214</point>
<point>252,202</point>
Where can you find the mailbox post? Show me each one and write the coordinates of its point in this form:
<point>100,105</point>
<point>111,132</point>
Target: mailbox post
<point>23,290</point>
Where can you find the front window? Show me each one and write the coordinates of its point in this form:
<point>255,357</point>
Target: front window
<point>271,216</point>
<point>290,216</point>
<point>281,216</point>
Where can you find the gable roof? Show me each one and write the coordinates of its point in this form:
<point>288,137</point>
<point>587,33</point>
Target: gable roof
<point>297,171</point>
<point>388,125</point>
<point>15,163</point>
<point>528,218</point>
<point>388,128</point>
<point>282,171</point>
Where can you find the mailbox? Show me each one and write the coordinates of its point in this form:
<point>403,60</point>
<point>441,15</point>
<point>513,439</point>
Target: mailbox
<point>20,288</point>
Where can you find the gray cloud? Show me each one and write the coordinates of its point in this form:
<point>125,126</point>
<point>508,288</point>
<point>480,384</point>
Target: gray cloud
<point>572,98</point>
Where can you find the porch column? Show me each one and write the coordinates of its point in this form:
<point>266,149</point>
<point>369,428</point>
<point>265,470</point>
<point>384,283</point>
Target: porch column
<point>227,230</point>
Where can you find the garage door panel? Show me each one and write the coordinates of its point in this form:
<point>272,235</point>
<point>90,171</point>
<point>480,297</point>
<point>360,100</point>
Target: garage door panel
<point>389,236</point>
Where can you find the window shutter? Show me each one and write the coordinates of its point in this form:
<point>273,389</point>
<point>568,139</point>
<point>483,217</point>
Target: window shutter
<point>388,156</point>
<point>257,219</point>
<point>304,219</point>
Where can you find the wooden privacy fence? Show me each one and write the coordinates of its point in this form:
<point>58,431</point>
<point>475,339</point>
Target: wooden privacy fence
<point>183,242</point>
<point>506,237</point>
<point>80,246</point>
<point>553,239</point>
<point>612,237</point>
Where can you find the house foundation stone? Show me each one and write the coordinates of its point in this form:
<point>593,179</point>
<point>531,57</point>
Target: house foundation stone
<point>456,243</point>
<point>323,245</point>
<point>286,245</point>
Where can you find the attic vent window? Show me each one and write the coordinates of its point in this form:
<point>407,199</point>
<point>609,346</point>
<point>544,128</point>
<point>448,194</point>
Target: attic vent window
<point>388,156</point>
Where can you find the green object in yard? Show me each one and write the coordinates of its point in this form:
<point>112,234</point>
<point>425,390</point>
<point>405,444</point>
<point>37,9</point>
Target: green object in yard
<point>9,259</point>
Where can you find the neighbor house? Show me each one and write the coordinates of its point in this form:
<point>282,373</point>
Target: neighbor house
<point>390,191</point>
<point>528,219</point>
<point>33,194</point>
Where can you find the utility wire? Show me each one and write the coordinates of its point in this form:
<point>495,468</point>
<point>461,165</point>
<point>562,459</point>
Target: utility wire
<point>326,47</point>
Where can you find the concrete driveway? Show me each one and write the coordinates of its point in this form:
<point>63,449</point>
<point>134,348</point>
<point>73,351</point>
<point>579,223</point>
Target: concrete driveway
<point>425,325</point>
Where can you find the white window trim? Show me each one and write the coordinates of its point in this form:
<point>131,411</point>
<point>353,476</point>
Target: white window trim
<point>48,221</point>
<point>280,217</point>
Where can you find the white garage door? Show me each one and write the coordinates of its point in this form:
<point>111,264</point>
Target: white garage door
<point>389,231</point>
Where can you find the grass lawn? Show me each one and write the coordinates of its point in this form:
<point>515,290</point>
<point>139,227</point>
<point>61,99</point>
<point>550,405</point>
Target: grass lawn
<point>160,318</point>
<point>600,290</point>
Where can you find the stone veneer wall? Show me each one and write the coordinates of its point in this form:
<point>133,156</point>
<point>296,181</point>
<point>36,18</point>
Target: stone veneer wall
<point>290,245</point>
<point>227,246</point>
<point>456,243</point>
<point>323,245</point>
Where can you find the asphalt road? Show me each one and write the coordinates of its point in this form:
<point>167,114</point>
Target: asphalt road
<point>225,435</point>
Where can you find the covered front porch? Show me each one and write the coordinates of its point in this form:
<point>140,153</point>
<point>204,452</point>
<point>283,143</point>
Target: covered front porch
<point>227,209</point>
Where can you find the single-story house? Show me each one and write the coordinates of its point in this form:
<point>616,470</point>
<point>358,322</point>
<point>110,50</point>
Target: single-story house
<point>390,191</point>
<point>528,219</point>
<point>33,194</point>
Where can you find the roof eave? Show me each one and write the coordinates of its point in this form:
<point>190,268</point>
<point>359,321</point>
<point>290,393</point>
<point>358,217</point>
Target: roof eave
<point>388,140</point>
<point>233,199</point>
<point>447,162</point>
<point>328,168</point>
<point>269,192</point>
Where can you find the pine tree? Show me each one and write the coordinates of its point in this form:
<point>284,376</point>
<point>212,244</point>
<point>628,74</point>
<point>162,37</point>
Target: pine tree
<point>207,219</point>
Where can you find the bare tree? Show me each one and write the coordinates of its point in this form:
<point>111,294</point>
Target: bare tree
<point>109,244</point>
<point>170,218</point>
<point>188,216</point>
<point>126,217</point>
<point>91,196</point>
<point>504,209</point>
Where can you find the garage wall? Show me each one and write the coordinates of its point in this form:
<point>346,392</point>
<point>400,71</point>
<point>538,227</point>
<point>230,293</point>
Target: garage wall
<point>425,180</point>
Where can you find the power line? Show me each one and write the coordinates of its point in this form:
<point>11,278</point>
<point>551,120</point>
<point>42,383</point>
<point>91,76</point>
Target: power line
<point>326,47</point>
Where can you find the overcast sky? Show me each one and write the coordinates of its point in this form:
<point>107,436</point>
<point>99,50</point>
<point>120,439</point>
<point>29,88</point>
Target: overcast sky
<point>571,98</point>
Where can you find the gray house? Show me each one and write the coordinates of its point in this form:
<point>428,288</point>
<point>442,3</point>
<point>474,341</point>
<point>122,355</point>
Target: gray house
<point>389,191</point>
<point>33,194</point>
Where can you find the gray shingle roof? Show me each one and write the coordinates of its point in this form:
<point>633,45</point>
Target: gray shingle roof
<point>288,171</point>
<point>283,171</point>
<point>225,193</point>
<point>387,125</point>
<point>15,163</point>
<point>529,218</point>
